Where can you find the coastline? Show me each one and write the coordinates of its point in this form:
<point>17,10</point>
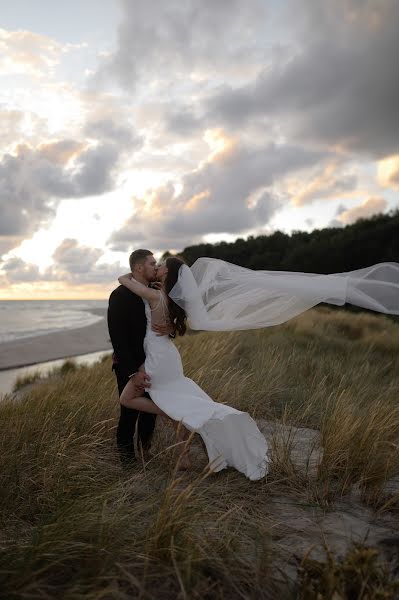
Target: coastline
<point>52,346</point>
<point>25,356</point>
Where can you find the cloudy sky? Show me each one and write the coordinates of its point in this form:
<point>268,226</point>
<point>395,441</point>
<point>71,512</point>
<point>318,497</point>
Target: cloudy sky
<point>129,123</point>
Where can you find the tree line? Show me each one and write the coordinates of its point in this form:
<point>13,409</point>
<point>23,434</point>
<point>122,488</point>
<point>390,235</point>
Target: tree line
<point>328,250</point>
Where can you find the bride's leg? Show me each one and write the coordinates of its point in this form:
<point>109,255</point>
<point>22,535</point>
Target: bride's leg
<point>143,404</point>
<point>128,398</point>
<point>182,435</point>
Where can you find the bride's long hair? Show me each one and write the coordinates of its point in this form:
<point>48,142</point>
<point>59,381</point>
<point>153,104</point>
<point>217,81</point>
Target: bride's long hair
<point>176,314</point>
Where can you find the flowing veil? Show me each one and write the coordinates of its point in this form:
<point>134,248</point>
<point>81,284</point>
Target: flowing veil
<point>220,296</point>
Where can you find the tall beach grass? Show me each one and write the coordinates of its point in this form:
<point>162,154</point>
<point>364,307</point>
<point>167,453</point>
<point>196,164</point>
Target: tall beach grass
<point>74,523</point>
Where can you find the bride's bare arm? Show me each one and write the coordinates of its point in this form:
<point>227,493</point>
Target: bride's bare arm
<point>138,288</point>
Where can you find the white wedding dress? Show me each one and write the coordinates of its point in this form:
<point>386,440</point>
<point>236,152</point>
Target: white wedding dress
<point>231,437</point>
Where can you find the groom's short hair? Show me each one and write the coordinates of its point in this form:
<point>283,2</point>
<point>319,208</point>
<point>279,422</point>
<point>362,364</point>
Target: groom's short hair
<point>138,257</point>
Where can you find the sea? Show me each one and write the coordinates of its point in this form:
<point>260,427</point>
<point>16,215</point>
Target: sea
<point>27,318</point>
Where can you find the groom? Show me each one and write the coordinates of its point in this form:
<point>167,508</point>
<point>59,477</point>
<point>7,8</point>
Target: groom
<point>127,327</point>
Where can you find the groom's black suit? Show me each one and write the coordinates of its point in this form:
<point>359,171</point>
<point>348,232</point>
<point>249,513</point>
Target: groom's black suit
<point>127,326</point>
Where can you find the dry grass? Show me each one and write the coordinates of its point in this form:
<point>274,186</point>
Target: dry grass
<point>74,523</point>
<point>358,575</point>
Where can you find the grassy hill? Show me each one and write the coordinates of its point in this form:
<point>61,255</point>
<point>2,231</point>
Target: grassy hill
<point>75,524</point>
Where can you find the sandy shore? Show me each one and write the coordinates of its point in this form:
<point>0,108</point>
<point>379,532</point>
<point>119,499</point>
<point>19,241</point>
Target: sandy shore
<point>51,346</point>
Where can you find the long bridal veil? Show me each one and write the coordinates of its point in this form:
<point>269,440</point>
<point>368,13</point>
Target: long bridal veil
<point>221,296</point>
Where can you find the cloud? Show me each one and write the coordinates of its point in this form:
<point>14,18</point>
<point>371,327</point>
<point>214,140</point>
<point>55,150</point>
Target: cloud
<point>16,270</point>
<point>30,53</point>
<point>388,172</point>
<point>11,123</point>
<point>331,181</point>
<point>95,138</point>
<point>94,172</point>
<point>60,152</point>
<point>107,129</point>
<point>340,209</point>
<point>18,125</point>
<point>368,208</point>
<point>74,264</point>
<point>335,223</point>
<point>27,52</point>
<point>170,41</point>
<point>23,199</point>
<point>33,180</point>
<point>7,243</point>
<point>72,258</point>
<point>183,121</point>
<point>78,263</point>
<point>339,87</point>
<point>229,193</point>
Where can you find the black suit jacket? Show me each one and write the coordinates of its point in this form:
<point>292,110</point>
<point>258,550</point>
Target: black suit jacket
<point>127,326</point>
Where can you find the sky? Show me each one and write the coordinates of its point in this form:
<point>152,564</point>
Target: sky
<point>131,124</point>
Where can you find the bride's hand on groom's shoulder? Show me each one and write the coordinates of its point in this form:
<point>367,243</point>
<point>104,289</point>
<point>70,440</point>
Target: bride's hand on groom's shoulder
<point>124,277</point>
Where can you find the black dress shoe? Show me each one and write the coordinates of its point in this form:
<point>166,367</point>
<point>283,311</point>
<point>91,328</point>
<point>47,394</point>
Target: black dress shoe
<point>144,451</point>
<point>128,460</point>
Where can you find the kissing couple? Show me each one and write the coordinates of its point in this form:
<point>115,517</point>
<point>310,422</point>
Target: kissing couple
<point>142,322</point>
<point>212,295</point>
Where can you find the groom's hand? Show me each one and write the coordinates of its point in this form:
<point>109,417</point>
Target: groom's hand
<point>141,381</point>
<point>163,329</point>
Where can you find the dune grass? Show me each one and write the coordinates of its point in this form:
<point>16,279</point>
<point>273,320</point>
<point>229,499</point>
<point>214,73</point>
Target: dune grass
<point>26,380</point>
<point>76,524</point>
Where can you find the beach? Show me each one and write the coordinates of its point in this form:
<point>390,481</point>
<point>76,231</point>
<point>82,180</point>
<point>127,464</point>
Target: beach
<point>68,343</point>
<point>61,344</point>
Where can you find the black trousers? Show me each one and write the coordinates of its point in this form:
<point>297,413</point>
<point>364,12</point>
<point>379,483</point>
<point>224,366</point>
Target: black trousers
<point>127,422</point>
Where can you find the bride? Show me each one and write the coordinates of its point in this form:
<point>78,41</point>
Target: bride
<point>220,296</point>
